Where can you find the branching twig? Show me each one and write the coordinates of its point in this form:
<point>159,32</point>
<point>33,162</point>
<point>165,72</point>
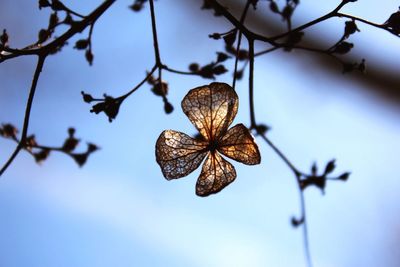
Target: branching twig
<point>253,125</point>
<point>76,27</point>
<point>42,52</point>
<point>139,84</point>
<point>28,108</point>
<point>302,219</point>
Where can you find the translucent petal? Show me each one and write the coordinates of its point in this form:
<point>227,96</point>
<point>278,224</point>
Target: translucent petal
<point>239,144</point>
<point>215,175</point>
<point>178,154</point>
<point>211,108</point>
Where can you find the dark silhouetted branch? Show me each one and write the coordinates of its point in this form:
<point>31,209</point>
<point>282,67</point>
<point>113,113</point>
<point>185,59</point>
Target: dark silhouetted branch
<point>28,108</point>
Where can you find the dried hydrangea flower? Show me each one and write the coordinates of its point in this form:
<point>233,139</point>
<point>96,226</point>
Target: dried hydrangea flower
<point>211,109</point>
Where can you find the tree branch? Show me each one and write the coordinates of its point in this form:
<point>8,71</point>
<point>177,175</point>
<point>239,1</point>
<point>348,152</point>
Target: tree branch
<point>75,28</point>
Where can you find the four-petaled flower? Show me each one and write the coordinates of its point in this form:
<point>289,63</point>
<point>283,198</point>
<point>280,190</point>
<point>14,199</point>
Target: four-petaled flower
<point>211,109</point>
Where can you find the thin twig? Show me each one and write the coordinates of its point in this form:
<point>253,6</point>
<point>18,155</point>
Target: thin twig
<point>340,15</point>
<point>297,174</point>
<point>251,83</point>
<point>139,84</point>
<point>90,36</point>
<point>28,108</point>
<point>269,50</point>
<point>164,67</point>
<point>305,227</point>
<point>242,19</point>
<point>154,30</point>
<point>331,14</point>
<point>159,64</point>
<point>280,154</point>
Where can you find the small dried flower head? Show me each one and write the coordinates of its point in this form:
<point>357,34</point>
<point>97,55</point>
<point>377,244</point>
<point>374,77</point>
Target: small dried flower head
<point>211,109</point>
<point>8,130</point>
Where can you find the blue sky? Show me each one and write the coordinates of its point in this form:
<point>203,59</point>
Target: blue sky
<point>118,210</point>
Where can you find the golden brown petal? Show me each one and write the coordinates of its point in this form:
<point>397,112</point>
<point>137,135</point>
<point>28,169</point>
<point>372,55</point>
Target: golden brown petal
<point>178,154</point>
<point>239,144</point>
<point>215,175</point>
<point>211,108</point>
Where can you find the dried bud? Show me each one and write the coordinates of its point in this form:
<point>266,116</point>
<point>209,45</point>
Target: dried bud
<point>71,132</point>
<point>238,74</point>
<point>136,7</point>
<point>222,57</point>
<point>215,36</point>
<point>30,142</point>
<point>81,44</point>
<point>194,67</point>
<point>394,22</point>
<point>261,128</point>
<point>230,49</point>
<point>207,71</point>
<point>287,12</point>
<point>230,38</point>
<point>318,181</point>
<point>8,130</point>
<point>4,38</point>
<point>42,155</point>
<point>43,3</point>
<point>70,144</point>
<point>344,176</point>
<point>53,20</point>
<point>86,97</point>
<point>68,19</point>
<point>43,35</point>
<point>350,28</point>
<point>110,106</point>
<point>168,107</point>
<point>329,167</point>
<point>243,54</point>
<point>314,169</point>
<point>361,66</point>
<point>343,48</point>
<point>89,56</point>
<point>92,148</point>
<point>151,80</point>
<point>219,69</point>
<point>160,89</point>
<point>274,7</point>
<point>57,5</point>
<point>296,222</point>
<point>80,158</point>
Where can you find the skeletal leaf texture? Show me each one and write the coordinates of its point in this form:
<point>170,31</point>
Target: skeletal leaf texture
<point>211,109</point>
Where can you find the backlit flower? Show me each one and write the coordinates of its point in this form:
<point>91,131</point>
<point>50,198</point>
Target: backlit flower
<point>211,109</point>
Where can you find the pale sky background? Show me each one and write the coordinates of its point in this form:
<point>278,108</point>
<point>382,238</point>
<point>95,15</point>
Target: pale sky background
<point>118,210</point>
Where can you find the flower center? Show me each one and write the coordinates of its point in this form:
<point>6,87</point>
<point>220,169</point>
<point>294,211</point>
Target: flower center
<point>212,146</point>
